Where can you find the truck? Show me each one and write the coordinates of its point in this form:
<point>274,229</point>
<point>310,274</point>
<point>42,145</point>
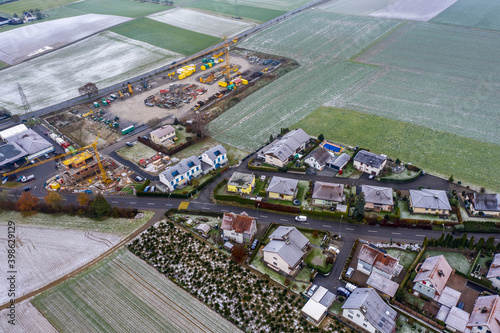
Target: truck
<point>25,179</point>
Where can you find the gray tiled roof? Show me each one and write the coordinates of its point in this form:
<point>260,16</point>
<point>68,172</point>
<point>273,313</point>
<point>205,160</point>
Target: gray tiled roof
<point>321,156</point>
<point>288,144</point>
<point>487,202</point>
<point>328,191</point>
<point>432,199</point>
<point>284,186</point>
<point>215,152</point>
<point>180,168</point>
<point>340,160</point>
<point>378,195</point>
<point>241,179</point>
<point>30,141</point>
<point>163,131</point>
<point>369,158</point>
<point>11,152</point>
<point>376,311</point>
<point>290,251</point>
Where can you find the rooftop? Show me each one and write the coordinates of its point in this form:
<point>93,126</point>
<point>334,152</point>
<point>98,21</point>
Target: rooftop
<point>378,195</point>
<point>382,261</point>
<point>328,191</point>
<point>314,310</point>
<point>11,152</point>
<point>30,141</point>
<point>240,223</point>
<point>241,179</point>
<point>495,267</point>
<point>457,319</point>
<point>486,312</point>
<point>340,160</point>
<point>163,131</point>
<point>289,243</point>
<point>288,144</point>
<point>487,202</point>
<point>180,168</point>
<point>436,270</point>
<point>448,297</point>
<point>370,158</point>
<point>216,151</point>
<point>284,186</point>
<point>321,156</point>
<point>382,284</point>
<point>432,199</point>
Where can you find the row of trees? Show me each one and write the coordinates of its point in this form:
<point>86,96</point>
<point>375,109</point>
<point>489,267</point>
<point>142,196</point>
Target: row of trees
<point>464,242</point>
<point>97,207</point>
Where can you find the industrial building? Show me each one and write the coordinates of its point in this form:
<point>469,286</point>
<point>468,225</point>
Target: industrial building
<point>20,143</point>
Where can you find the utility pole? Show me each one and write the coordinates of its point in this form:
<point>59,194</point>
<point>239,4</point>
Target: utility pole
<point>26,104</point>
<point>340,225</point>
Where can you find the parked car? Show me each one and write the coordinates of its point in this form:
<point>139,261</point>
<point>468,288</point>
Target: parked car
<point>139,178</point>
<point>312,290</point>
<point>350,287</point>
<point>349,272</point>
<point>147,188</point>
<point>343,292</point>
<point>26,189</point>
<point>254,244</point>
<point>46,156</point>
<point>371,176</point>
<point>332,248</point>
<point>87,191</point>
<point>129,144</point>
<point>296,202</point>
<point>145,138</point>
<point>301,218</point>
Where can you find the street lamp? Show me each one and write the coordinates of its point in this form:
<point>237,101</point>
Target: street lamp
<point>340,224</point>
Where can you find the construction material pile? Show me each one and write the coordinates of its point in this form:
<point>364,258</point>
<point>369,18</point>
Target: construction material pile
<point>175,96</point>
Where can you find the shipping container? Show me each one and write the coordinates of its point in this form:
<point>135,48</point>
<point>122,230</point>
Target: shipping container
<point>129,129</point>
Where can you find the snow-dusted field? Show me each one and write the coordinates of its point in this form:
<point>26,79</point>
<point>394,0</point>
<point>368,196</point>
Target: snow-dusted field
<point>355,7</point>
<point>203,23</point>
<point>28,319</point>
<point>285,5</point>
<point>415,10</point>
<point>105,59</point>
<point>19,44</point>
<point>44,255</point>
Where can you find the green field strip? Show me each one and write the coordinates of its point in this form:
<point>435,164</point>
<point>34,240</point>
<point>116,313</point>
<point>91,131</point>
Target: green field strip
<point>481,14</point>
<point>128,8</point>
<point>165,36</point>
<point>3,64</point>
<point>255,14</point>
<point>20,6</point>
<point>470,161</point>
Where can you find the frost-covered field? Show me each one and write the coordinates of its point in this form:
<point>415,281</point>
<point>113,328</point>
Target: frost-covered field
<point>28,319</point>
<point>322,43</point>
<point>442,77</point>
<point>17,45</point>
<point>285,5</point>
<point>416,10</point>
<point>44,255</point>
<point>355,7</point>
<point>126,295</point>
<point>203,23</point>
<point>104,59</point>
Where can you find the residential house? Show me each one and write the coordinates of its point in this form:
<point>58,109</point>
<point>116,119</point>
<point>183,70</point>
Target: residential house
<point>162,135</point>
<point>378,198</point>
<point>454,318</point>
<point>429,202</point>
<point>283,150</point>
<point>178,175</point>
<point>432,276</point>
<point>216,157</point>
<point>485,317</point>
<point>369,162</point>
<point>494,271</point>
<point>317,306</point>
<point>366,309</point>
<point>371,260</point>
<point>383,285</point>
<point>204,229</point>
<point>282,188</point>
<point>339,162</point>
<point>327,194</point>
<point>487,204</point>
<point>286,250</point>
<point>238,227</point>
<point>318,159</point>
<point>241,183</point>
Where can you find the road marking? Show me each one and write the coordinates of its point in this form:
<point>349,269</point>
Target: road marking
<point>168,205</point>
<point>305,222</point>
<point>420,235</point>
<point>264,216</point>
<point>327,226</point>
<point>114,201</point>
<point>205,208</point>
<point>372,231</point>
<point>224,210</point>
<point>349,229</point>
<point>283,220</point>
<point>133,203</point>
<point>151,203</point>
<point>396,233</point>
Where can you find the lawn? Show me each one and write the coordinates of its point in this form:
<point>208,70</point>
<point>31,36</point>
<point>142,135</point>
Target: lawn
<point>119,226</point>
<point>261,267</point>
<point>405,258</point>
<point>250,13</point>
<point>233,154</point>
<point>347,171</point>
<point>444,153</point>
<point>336,307</point>
<point>283,5</point>
<point>136,153</point>
<point>165,36</point>
<point>259,185</point>
<point>316,257</point>
<point>481,14</point>
<point>125,294</point>
<point>403,326</point>
<point>404,213</point>
<point>456,260</point>
<point>413,300</point>
<point>3,64</point>
<point>20,6</point>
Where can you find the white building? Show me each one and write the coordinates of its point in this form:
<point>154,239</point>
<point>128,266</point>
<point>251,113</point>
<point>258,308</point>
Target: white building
<point>163,134</point>
<point>216,157</point>
<point>370,163</point>
<point>179,174</point>
<point>238,227</point>
<point>366,309</point>
<point>316,308</point>
<point>318,159</point>
<point>485,317</point>
<point>281,152</point>
<point>494,272</point>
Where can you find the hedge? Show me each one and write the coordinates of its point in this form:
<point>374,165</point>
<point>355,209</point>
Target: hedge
<point>481,227</point>
<point>143,186</point>
<point>235,198</point>
<point>321,269</point>
<point>484,283</point>
<point>323,214</point>
<point>193,212</point>
<point>413,265</point>
<point>399,181</point>
<point>260,168</point>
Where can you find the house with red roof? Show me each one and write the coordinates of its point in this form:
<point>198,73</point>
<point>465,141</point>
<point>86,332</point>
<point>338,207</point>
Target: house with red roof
<point>432,276</point>
<point>238,227</point>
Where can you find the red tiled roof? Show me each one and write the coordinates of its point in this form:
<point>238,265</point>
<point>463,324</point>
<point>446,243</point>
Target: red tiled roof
<point>240,223</point>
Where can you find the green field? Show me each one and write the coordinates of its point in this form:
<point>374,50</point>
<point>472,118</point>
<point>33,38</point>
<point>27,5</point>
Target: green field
<point>456,260</point>
<point>124,294</point>
<point>482,14</point>
<point>283,5</point>
<point>165,36</point>
<point>3,64</point>
<point>22,5</point>
<point>255,14</point>
<point>471,161</point>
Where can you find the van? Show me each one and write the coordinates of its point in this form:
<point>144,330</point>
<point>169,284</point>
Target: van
<point>343,292</point>
<point>301,218</point>
<point>349,272</point>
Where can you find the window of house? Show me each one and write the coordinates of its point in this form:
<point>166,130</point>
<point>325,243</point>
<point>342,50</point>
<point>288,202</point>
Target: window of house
<point>275,264</point>
<point>357,315</point>
<point>349,316</point>
<point>350,311</point>
<point>364,325</point>
<point>480,328</point>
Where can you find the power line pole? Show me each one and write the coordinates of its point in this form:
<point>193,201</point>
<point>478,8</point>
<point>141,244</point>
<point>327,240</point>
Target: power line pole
<point>26,104</point>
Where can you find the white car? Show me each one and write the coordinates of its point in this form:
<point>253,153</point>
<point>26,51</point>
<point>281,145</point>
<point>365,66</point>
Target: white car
<point>349,272</point>
<point>332,248</point>
<point>301,218</point>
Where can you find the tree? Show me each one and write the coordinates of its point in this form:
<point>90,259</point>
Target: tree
<point>471,243</point>
<point>83,199</point>
<point>88,89</point>
<point>199,126</point>
<point>53,199</point>
<point>154,122</point>
<point>26,202</point>
<point>321,137</point>
<point>238,252</point>
<point>359,209</point>
<point>489,243</point>
<point>451,179</point>
<point>480,244</point>
<point>482,190</point>
<point>99,207</point>
<point>271,139</point>
<point>398,161</point>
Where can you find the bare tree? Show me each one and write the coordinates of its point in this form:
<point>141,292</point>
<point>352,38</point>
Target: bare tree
<point>199,126</point>
<point>88,89</point>
<point>154,122</point>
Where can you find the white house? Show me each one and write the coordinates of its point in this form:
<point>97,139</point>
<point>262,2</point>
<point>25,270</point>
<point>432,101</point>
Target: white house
<point>432,276</point>
<point>286,250</point>
<point>163,134</point>
<point>494,271</point>
<point>281,152</point>
<point>366,309</point>
<point>317,306</point>
<point>179,174</point>
<point>216,157</point>
<point>238,227</point>
<point>368,162</point>
<point>327,194</point>
<point>371,260</point>
<point>318,159</point>
<point>485,317</point>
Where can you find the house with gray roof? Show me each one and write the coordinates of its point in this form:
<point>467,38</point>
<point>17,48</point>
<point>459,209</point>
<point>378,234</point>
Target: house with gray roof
<point>162,135</point>
<point>427,201</point>
<point>180,174</point>
<point>32,143</point>
<point>369,162</point>
<point>339,162</point>
<point>282,188</point>
<point>216,157</point>
<point>318,159</point>
<point>378,198</point>
<point>327,194</point>
<point>366,309</point>
<point>317,306</point>
<point>484,204</point>
<point>286,250</point>
<point>10,153</point>
<point>282,150</point>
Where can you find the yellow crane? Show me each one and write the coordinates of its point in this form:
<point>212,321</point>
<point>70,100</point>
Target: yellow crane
<point>105,178</point>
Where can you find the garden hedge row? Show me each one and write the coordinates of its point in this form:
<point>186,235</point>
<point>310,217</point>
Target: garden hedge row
<point>143,186</point>
<point>321,269</point>
<point>400,181</point>
<point>323,214</point>
<point>481,227</point>
<point>260,168</point>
